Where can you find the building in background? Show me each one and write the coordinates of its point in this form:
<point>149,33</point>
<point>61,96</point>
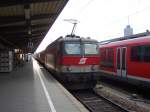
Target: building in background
<point>128,31</point>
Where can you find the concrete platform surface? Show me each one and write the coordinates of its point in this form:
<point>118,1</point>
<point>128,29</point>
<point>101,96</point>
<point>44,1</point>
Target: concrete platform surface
<point>32,89</point>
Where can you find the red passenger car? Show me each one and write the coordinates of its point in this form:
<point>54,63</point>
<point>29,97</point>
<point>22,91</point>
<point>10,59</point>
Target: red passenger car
<point>127,59</point>
<point>74,61</point>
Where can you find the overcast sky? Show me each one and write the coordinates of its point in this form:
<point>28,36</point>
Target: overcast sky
<point>100,19</point>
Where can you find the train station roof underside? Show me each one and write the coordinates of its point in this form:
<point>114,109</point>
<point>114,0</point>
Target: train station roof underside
<point>27,21</point>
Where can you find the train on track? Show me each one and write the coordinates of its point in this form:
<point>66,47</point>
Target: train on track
<point>74,61</point>
<point>126,60</point>
<point>79,62</point>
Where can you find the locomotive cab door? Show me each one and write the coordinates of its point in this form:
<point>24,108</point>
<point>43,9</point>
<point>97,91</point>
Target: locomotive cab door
<point>121,61</point>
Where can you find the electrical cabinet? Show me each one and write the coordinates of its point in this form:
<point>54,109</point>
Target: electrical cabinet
<point>6,61</point>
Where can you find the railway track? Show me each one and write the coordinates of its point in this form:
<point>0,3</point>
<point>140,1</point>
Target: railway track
<point>96,103</point>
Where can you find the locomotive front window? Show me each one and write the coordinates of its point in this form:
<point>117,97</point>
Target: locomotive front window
<point>90,49</point>
<point>72,49</point>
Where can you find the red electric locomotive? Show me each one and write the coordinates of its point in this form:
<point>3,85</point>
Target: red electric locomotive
<point>74,61</point>
<point>128,59</point>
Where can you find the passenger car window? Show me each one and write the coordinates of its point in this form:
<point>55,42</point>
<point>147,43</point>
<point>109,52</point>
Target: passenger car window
<point>107,57</point>
<point>146,54</point>
<point>136,53</point>
<point>140,53</point>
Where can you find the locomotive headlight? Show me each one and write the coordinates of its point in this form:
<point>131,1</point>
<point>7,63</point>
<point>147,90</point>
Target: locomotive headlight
<point>93,68</point>
<point>68,68</point>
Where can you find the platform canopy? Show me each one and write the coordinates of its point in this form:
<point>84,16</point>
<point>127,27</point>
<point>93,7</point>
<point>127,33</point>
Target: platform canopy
<point>24,23</point>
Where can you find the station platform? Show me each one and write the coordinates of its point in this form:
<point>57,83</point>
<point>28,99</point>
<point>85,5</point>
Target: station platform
<point>30,88</point>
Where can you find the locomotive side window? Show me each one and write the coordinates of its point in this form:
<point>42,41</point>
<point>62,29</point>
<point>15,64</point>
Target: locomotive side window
<point>136,53</point>
<point>90,49</point>
<point>107,57</point>
<point>73,49</point>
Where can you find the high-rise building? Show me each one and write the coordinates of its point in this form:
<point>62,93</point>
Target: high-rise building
<point>128,31</point>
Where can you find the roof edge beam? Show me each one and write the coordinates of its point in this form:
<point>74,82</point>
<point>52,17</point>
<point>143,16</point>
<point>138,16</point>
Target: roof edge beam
<point>6,3</point>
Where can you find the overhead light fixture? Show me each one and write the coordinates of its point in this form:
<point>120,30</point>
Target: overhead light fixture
<point>27,13</point>
<point>29,31</point>
<point>30,44</point>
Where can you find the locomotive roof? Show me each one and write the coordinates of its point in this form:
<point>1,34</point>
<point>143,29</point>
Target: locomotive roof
<point>141,40</point>
<point>73,39</point>
<point>77,39</point>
